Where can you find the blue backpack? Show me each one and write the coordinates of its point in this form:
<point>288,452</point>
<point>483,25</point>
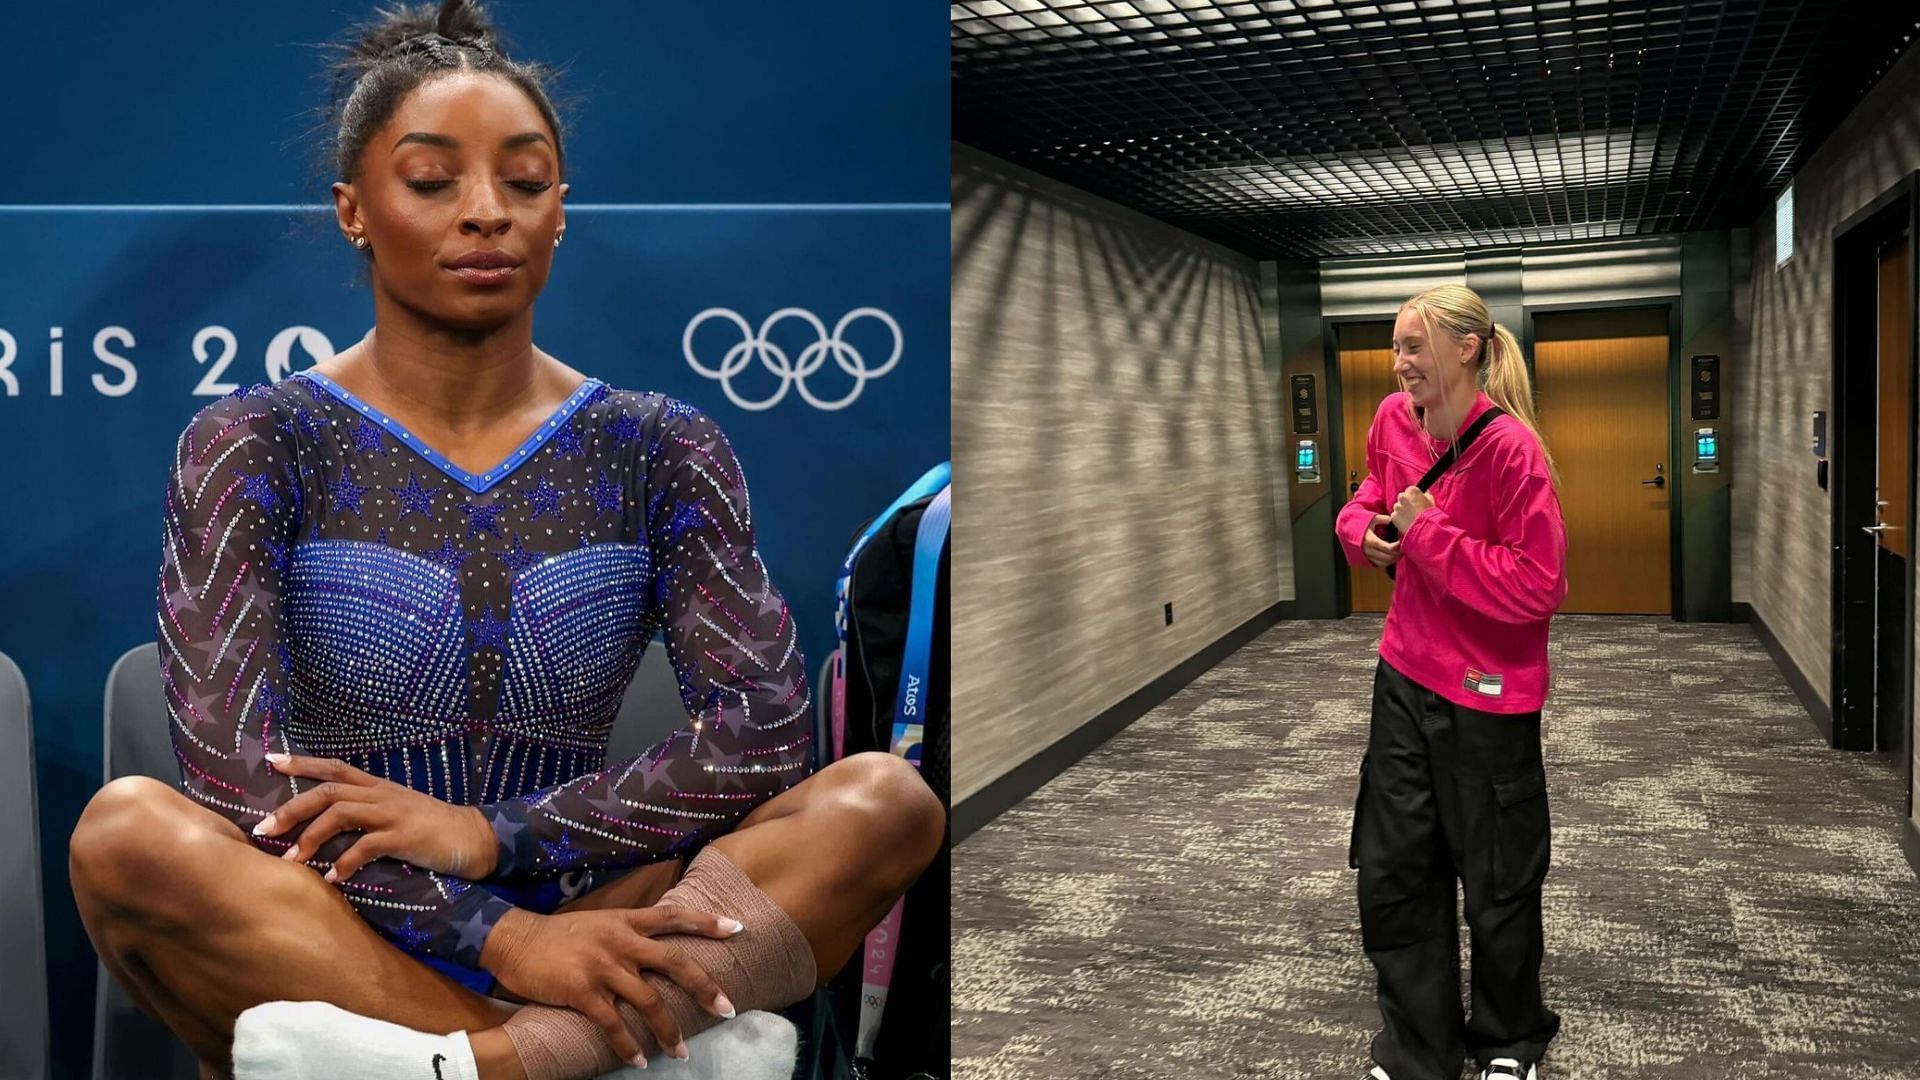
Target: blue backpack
<point>889,690</point>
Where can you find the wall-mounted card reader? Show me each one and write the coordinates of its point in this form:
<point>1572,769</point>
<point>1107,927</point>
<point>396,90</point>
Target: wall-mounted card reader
<point>1820,449</point>
<point>1706,450</point>
<point>1306,462</point>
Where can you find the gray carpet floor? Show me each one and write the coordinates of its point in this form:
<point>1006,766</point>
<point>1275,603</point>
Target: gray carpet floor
<point>1728,896</point>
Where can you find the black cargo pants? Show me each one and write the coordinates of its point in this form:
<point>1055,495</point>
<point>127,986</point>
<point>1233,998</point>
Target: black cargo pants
<point>1449,792</point>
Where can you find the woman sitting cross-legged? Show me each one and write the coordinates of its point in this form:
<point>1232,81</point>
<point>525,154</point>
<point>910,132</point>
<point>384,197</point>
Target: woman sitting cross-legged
<point>400,599</point>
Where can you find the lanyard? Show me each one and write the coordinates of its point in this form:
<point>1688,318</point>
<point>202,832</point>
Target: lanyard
<point>909,710</point>
<point>909,725</point>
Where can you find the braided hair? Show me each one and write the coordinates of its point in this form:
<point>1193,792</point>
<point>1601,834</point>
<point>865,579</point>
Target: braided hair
<point>403,47</point>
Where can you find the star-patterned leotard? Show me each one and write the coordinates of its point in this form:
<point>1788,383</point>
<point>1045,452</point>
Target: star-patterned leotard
<point>331,586</point>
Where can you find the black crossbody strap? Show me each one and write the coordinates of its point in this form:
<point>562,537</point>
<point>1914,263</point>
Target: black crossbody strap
<point>1466,439</point>
<point>1446,462</point>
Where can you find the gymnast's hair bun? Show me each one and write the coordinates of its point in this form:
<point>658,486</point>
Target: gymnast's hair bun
<point>407,28</point>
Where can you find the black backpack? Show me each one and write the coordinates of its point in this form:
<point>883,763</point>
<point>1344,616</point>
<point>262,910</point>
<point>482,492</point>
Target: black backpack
<point>913,1041</point>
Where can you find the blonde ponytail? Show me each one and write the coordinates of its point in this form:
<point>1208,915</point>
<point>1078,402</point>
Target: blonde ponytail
<point>1503,375</point>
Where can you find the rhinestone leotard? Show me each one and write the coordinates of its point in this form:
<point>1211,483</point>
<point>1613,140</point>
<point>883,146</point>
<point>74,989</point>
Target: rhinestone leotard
<point>331,586</point>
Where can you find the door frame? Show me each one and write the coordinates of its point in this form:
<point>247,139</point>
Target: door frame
<point>1851,502</point>
<point>1337,438</point>
<point>1671,302</point>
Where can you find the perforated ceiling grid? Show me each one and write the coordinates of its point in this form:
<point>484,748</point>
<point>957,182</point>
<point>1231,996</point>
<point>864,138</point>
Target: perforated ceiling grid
<point>1290,128</point>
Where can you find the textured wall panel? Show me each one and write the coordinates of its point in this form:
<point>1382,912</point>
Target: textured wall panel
<point>1115,448</point>
<point>1591,272</point>
<point>1366,286</point>
<point>1784,523</point>
<point>1602,271</point>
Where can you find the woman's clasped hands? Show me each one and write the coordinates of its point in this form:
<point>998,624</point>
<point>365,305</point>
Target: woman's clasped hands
<point>587,960</point>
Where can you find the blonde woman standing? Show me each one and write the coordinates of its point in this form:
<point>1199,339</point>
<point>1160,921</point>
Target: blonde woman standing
<point>1453,785</point>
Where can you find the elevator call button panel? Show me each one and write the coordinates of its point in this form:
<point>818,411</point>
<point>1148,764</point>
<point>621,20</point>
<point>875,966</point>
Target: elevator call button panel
<point>1306,462</point>
<point>1706,450</point>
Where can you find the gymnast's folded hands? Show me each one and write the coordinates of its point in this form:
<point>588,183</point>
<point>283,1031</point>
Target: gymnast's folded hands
<point>586,960</point>
<point>394,821</point>
<point>590,961</point>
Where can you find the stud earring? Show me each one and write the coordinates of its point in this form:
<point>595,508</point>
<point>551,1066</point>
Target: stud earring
<point>360,242</point>
<point>557,237</point>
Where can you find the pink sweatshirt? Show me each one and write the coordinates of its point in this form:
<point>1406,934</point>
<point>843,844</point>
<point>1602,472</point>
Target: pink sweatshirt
<point>1481,573</point>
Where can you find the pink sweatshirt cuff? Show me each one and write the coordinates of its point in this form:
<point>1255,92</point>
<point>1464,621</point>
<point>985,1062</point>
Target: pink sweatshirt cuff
<point>1351,528</point>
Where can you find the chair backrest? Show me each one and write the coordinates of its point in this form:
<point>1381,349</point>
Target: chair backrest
<point>823,713</point>
<point>137,740</point>
<point>138,743</point>
<point>23,962</point>
<point>651,709</point>
<point>137,736</point>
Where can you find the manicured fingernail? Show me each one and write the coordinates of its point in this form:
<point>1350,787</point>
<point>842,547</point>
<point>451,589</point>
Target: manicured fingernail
<point>722,1006</point>
<point>734,926</point>
<point>265,826</point>
<point>333,875</point>
<point>639,1061</point>
<point>290,852</point>
<point>277,759</point>
<point>680,1051</point>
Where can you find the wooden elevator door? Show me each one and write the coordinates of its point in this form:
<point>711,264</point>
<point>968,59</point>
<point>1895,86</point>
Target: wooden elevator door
<point>1601,378</point>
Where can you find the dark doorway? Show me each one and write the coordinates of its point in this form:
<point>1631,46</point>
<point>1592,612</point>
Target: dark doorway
<point>1893,654</point>
<point>1872,431</point>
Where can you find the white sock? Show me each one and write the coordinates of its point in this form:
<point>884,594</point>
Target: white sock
<point>752,1046</point>
<point>312,1040</point>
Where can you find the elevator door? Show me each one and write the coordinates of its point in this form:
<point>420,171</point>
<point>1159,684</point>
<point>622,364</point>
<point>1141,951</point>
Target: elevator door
<point>1601,378</point>
<point>1366,378</point>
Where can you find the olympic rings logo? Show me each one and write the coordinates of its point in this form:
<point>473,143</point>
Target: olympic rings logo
<point>792,372</point>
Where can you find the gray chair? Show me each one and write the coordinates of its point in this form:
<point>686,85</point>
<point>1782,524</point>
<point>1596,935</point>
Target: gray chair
<point>651,709</point>
<point>23,990</point>
<point>128,1042</point>
<point>136,742</point>
<point>827,1049</point>
<point>823,713</point>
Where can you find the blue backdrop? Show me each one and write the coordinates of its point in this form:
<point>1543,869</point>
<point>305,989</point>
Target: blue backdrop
<point>148,228</point>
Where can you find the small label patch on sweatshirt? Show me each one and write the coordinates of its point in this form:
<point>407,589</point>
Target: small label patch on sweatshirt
<point>1482,683</point>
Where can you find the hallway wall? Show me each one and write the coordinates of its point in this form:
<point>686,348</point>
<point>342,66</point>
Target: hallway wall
<point>1782,518</point>
<point>1114,443</point>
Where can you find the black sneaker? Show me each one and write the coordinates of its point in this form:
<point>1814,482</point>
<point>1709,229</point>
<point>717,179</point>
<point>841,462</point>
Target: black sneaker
<point>1509,1069</point>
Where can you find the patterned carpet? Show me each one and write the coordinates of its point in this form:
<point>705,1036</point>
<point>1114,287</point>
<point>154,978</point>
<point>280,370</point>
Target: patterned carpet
<point>1728,897</point>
